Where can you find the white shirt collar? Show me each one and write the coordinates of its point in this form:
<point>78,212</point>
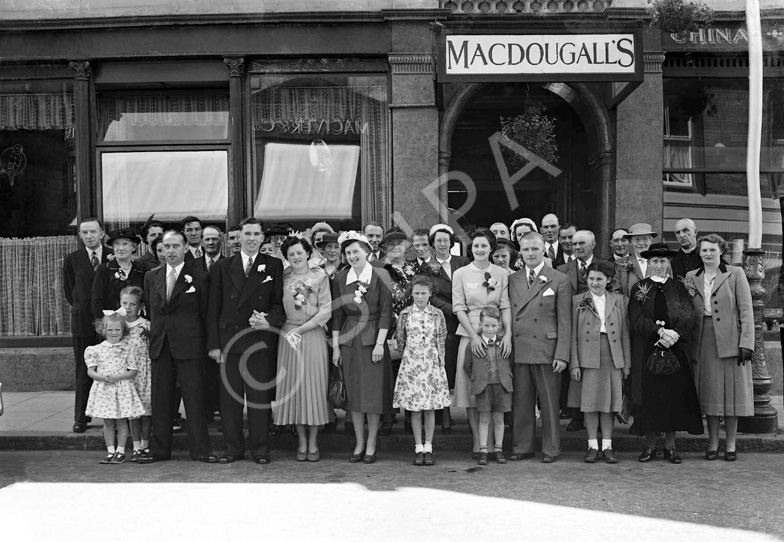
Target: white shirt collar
<point>602,297</point>
<point>421,261</point>
<point>537,269</point>
<point>442,262</point>
<point>98,252</point>
<point>488,339</point>
<point>177,270</point>
<point>660,280</point>
<point>365,275</point>
<point>245,258</point>
<point>548,245</point>
<point>588,262</point>
<point>194,249</point>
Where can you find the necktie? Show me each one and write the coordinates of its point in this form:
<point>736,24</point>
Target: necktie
<point>247,267</point>
<point>551,253</point>
<point>94,261</point>
<point>170,283</point>
<point>198,253</point>
<point>210,261</point>
<point>583,271</point>
<point>530,277</point>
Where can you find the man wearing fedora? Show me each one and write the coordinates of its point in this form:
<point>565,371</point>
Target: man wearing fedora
<point>78,274</point>
<point>633,270</point>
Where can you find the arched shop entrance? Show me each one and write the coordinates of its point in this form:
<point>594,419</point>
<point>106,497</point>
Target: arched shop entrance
<point>580,188</point>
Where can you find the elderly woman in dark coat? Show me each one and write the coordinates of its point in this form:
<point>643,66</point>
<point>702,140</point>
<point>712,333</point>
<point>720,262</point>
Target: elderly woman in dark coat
<point>661,314</point>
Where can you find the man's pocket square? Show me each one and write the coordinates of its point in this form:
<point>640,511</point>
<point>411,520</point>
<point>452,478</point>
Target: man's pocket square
<point>266,280</point>
<point>547,292</point>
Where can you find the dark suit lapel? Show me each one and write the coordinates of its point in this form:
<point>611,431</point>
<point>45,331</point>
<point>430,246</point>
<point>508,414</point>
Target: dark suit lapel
<point>237,273</point>
<point>719,280</point>
<point>160,281</point>
<point>254,280</point>
<point>179,284</point>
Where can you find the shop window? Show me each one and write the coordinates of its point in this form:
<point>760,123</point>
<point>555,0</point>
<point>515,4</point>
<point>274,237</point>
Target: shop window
<point>163,155</point>
<point>320,149</point>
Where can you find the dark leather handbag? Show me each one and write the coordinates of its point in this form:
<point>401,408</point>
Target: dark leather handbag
<point>336,392</point>
<point>662,362</point>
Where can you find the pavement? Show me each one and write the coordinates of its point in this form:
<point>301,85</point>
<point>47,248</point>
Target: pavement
<point>43,421</point>
<point>67,495</point>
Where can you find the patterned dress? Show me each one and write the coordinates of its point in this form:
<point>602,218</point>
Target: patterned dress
<point>421,382</point>
<point>114,400</point>
<point>139,341</point>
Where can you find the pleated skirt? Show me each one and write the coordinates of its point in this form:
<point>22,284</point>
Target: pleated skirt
<point>303,376</point>
<point>602,388</point>
<point>724,388</point>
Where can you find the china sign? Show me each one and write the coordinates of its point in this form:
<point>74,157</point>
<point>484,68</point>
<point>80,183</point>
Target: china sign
<point>541,57</point>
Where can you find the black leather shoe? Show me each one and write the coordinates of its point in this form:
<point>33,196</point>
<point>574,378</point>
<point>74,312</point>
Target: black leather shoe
<point>211,459</point>
<point>609,456</point>
<point>369,459</point>
<point>148,459</point>
<point>79,427</point>
<point>730,456</point>
<point>226,459</point>
<point>712,455</point>
<point>548,459</point>
<point>482,458</point>
<point>591,455</point>
<point>499,457</point>
<point>672,456</point>
<point>262,460</point>
<point>575,425</point>
<point>419,460</point>
<point>357,458</point>
<point>647,455</point>
<point>429,459</point>
<point>519,456</point>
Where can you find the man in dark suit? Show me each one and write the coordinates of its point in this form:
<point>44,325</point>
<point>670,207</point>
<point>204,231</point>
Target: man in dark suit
<point>211,242</point>
<point>191,227</point>
<point>78,274</point>
<point>583,243</point>
<point>688,257</point>
<point>550,229</point>
<point>177,296</point>
<point>151,232</point>
<point>246,305</point>
<point>620,246</point>
<point>441,269</point>
<point>374,233</point>
<point>541,300</point>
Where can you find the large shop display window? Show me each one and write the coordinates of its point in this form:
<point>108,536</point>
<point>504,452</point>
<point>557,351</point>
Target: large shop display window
<point>320,149</point>
<point>704,165</point>
<point>163,155</point>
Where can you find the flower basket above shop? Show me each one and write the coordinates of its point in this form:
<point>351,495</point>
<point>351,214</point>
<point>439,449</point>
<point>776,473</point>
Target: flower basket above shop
<point>679,17</point>
<point>533,130</point>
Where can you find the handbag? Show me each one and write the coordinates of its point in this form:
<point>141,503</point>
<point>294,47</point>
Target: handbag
<point>626,410</point>
<point>336,392</point>
<point>662,362</point>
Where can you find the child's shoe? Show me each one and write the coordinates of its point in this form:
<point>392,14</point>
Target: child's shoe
<point>429,459</point>
<point>482,458</point>
<point>499,457</point>
<point>106,460</point>
<point>118,459</point>
<point>420,459</point>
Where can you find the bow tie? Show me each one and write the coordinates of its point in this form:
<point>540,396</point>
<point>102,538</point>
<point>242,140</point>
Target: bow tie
<point>491,342</point>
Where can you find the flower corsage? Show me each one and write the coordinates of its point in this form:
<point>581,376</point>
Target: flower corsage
<point>586,304</point>
<point>490,283</point>
<point>300,290</point>
<point>360,292</point>
<point>642,292</point>
<point>688,283</point>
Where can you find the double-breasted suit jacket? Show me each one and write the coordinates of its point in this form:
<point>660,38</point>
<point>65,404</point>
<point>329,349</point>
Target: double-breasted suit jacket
<point>233,298</point>
<point>78,276</point>
<point>733,318</point>
<point>181,319</point>
<point>478,369</point>
<point>541,316</point>
<point>586,334</point>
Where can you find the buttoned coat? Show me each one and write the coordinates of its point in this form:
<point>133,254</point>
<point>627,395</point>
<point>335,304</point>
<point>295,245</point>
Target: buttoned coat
<point>78,276</point>
<point>541,316</point>
<point>586,332</point>
<point>733,318</point>
<point>180,320</point>
<point>234,297</point>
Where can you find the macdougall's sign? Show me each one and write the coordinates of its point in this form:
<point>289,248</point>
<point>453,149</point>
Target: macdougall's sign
<point>540,57</point>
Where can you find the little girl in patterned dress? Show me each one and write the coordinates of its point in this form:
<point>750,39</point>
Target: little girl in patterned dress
<point>113,397</point>
<point>132,300</point>
<point>421,382</point>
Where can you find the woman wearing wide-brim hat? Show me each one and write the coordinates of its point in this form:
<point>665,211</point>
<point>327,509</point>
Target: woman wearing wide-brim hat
<point>661,314</point>
<point>119,272</point>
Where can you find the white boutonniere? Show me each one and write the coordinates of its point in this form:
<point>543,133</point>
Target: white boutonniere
<point>190,290</point>
<point>188,279</point>
<point>121,275</point>
<point>266,280</point>
<point>110,257</point>
<point>542,279</point>
<point>261,268</point>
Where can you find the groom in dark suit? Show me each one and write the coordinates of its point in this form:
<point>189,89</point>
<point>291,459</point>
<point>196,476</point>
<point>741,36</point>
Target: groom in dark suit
<point>246,306</point>
<point>78,274</point>
<point>176,296</point>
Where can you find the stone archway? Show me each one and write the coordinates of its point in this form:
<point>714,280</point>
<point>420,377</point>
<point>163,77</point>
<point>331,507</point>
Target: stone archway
<point>592,112</point>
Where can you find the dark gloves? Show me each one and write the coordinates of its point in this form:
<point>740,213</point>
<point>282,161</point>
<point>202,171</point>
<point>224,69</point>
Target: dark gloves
<point>744,355</point>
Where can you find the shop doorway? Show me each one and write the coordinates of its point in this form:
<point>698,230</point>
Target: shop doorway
<point>568,191</point>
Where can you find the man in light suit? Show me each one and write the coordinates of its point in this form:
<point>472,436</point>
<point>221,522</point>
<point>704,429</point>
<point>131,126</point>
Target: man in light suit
<point>541,299</point>
<point>246,304</point>
<point>176,296</point>
<point>633,270</point>
<point>583,243</point>
<point>78,274</point>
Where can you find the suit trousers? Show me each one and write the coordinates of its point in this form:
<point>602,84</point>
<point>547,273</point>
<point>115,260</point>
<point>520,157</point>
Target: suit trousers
<point>82,381</point>
<point>571,392</point>
<point>253,383</point>
<point>530,381</point>
<point>167,371</point>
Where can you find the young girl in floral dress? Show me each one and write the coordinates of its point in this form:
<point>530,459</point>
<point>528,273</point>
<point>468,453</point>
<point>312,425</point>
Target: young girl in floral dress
<point>421,385</point>
<point>132,301</point>
<point>113,397</point>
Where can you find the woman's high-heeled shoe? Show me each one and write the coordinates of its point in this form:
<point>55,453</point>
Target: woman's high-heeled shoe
<point>730,456</point>
<point>672,456</point>
<point>357,458</point>
<point>647,455</point>
<point>712,455</point>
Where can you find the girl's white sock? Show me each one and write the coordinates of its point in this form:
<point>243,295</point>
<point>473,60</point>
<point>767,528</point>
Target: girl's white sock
<point>593,443</point>
<point>606,443</point>
<point>137,445</point>
<point>120,449</point>
<point>428,447</point>
<point>418,448</point>
<point>110,449</point>
<point>145,444</point>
